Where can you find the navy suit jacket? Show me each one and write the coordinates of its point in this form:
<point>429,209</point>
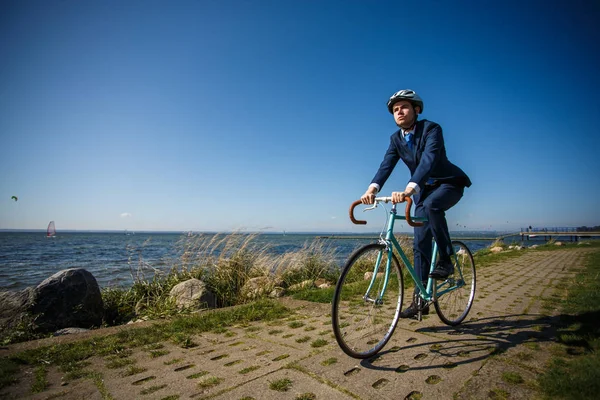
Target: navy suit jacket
<point>426,161</point>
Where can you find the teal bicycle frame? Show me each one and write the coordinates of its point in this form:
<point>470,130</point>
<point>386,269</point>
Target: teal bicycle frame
<point>390,241</point>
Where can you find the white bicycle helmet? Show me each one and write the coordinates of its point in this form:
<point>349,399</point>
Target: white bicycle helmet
<point>405,94</point>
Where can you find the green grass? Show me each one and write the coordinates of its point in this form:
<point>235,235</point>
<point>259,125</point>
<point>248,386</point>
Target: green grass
<point>512,377</point>
<point>414,395</point>
<point>577,375</point>
<point>303,339</point>
<point>158,353</point>
<point>77,374</point>
<point>484,257</point>
<point>295,324</point>
<point>209,382</point>
<point>306,396</point>
<point>329,361</point>
<point>152,389</point>
<point>315,295</point>
<point>184,341</point>
<point>319,343</point>
<point>8,370</point>
<point>281,385</point>
<point>40,382</point>
<point>247,370</point>
<point>197,375</point>
<point>119,363</point>
<point>433,379</point>
<point>132,370</point>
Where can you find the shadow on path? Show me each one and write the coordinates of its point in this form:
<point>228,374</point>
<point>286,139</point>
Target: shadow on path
<point>479,339</point>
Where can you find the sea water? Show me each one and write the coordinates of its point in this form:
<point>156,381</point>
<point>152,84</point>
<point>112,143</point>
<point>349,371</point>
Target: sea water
<point>27,258</point>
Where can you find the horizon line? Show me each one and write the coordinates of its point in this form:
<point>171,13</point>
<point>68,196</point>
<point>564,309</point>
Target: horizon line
<point>283,232</point>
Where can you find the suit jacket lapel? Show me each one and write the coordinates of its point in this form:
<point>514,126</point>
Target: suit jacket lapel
<point>418,135</point>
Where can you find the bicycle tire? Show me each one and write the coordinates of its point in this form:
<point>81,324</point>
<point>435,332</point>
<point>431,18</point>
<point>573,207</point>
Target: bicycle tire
<point>361,327</point>
<point>453,306</point>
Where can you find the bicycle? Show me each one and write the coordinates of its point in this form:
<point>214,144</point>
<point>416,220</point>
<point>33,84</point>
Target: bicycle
<point>369,293</point>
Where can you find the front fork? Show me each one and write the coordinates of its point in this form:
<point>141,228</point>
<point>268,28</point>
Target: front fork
<point>379,299</point>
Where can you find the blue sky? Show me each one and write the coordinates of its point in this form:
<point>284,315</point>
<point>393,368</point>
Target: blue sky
<point>270,115</point>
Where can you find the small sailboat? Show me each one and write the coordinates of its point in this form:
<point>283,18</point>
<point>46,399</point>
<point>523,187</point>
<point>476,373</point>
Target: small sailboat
<point>51,231</point>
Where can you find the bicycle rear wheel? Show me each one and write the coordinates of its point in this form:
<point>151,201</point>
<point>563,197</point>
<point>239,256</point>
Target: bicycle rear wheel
<point>454,296</point>
<point>364,320</point>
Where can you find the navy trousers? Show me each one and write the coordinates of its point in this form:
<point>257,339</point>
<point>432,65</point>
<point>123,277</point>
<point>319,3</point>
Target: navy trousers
<point>432,203</point>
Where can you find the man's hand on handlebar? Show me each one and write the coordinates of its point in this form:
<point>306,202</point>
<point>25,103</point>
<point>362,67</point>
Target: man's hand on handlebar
<point>369,196</point>
<point>400,197</point>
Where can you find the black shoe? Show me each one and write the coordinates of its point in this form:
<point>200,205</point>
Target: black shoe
<point>412,310</point>
<point>442,270</point>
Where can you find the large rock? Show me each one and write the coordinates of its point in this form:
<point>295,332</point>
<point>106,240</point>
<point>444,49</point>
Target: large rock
<point>13,308</point>
<point>277,292</point>
<point>302,285</point>
<point>261,286</point>
<point>192,294</point>
<point>69,298</point>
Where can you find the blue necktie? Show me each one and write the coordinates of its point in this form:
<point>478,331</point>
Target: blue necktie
<point>408,137</point>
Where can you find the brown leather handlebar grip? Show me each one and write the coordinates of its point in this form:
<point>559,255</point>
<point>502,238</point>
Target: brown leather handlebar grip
<point>354,220</point>
<point>409,220</point>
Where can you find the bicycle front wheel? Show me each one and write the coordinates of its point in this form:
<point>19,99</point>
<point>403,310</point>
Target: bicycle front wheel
<point>454,296</point>
<point>365,310</point>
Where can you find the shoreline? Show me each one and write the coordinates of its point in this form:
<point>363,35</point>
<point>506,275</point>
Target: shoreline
<point>113,260</point>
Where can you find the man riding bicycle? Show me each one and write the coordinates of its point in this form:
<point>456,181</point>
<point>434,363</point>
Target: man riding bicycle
<point>435,183</point>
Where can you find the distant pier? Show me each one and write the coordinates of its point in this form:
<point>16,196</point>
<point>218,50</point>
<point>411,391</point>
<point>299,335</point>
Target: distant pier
<point>552,233</point>
<point>573,235</point>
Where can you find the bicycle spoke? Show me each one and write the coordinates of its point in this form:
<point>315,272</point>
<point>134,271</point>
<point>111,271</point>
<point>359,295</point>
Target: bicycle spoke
<point>454,297</point>
<point>362,327</point>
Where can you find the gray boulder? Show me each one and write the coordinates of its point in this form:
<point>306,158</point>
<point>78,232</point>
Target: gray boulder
<point>70,331</point>
<point>277,292</point>
<point>13,309</point>
<point>257,287</point>
<point>192,294</point>
<point>302,285</point>
<point>69,298</point>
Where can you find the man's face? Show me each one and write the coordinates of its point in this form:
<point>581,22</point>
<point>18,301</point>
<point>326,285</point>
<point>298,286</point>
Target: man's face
<point>404,114</point>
